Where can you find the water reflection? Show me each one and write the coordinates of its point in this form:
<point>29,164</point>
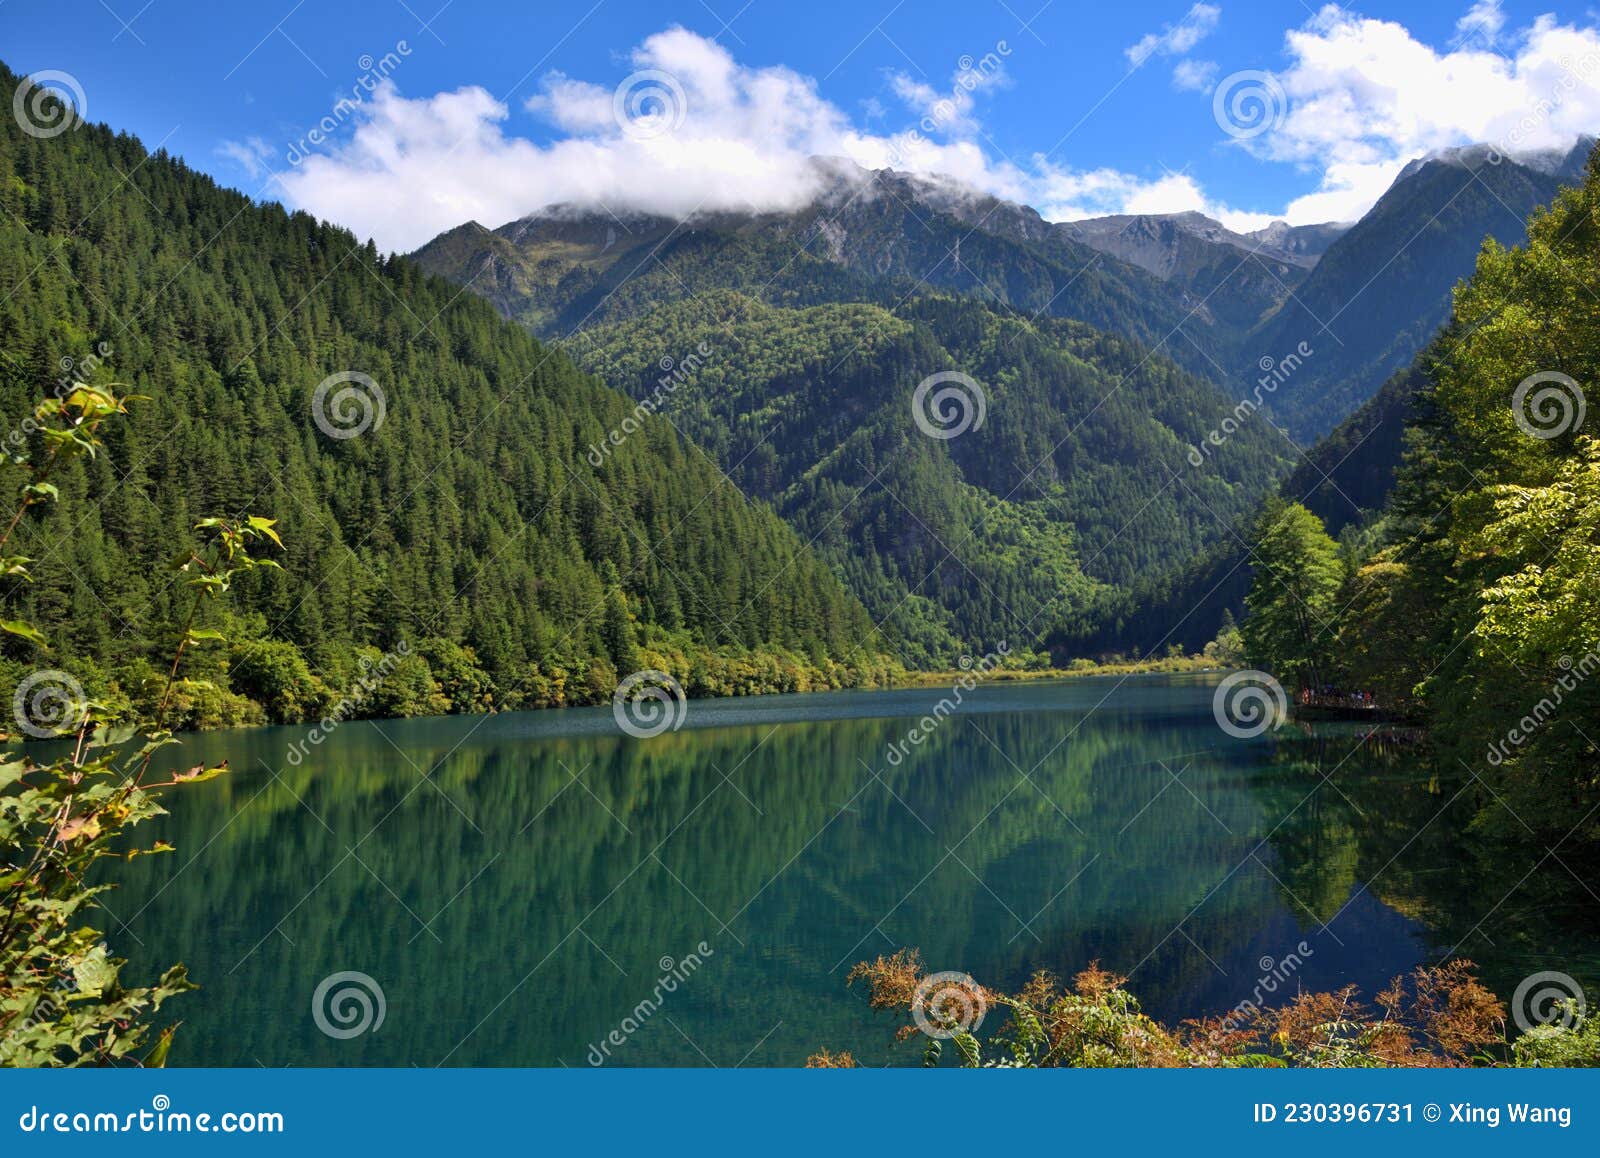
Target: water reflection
<point>519,885</point>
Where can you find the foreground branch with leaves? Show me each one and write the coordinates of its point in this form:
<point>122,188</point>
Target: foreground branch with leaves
<point>62,1000</point>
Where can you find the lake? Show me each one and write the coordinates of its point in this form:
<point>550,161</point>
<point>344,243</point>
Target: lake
<point>522,887</point>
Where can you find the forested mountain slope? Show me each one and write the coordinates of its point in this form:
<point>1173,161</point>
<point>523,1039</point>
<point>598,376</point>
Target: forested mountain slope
<point>1033,525</point>
<point>1075,483</point>
<point>463,519</point>
<point>1347,477</point>
<point>820,320</point>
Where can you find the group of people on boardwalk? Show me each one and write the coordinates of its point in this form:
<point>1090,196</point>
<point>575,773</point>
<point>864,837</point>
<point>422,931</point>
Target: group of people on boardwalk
<point>1331,697</point>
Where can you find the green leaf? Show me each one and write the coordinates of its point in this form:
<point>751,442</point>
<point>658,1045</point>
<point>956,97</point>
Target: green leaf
<point>265,527</point>
<point>26,630</point>
<point>95,973</point>
<point>968,1046</point>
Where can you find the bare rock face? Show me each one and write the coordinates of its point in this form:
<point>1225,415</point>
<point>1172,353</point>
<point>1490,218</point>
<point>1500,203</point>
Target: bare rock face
<point>1174,245</point>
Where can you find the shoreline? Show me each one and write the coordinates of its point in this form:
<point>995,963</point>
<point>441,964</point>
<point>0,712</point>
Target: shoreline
<point>1179,665</point>
<point>912,680</point>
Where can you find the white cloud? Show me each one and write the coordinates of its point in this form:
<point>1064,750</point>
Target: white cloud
<point>1176,39</point>
<point>1365,97</point>
<point>700,131</point>
<point>951,111</point>
<point>731,138</point>
<point>1483,23</point>
<point>253,155</point>
<point>1194,75</point>
<point>1064,195</point>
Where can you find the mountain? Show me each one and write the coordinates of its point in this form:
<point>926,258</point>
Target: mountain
<point>1169,244</point>
<point>1366,297</point>
<point>1305,242</point>
<point>1224,276</point>
<point>1348,475</point>
<point>459,518</point>
<point>1075,485</point>
<point>805,398</point>
<point>1382,289</point>
<point>874,237</point>
<point>809,334</point>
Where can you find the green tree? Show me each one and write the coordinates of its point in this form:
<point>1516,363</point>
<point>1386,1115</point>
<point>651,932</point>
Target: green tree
<point>617,631</point>
<point>1294,596</point>
<point>1378,644</point>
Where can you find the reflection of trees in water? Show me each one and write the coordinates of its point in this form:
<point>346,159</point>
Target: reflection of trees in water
<point>782,833</point>
<point>1378,815</point>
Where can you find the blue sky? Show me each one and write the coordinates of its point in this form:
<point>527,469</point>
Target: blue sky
<point>488,110</point>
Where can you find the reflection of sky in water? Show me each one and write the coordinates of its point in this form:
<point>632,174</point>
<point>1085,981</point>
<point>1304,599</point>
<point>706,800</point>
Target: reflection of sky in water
<point>516,902</point>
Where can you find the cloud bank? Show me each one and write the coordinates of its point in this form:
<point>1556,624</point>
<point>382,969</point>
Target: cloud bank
<point>694,130</point>
<point>1364,97</point>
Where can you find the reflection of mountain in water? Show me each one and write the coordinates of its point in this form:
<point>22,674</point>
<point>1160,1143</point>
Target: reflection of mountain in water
<point>518,904</point>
